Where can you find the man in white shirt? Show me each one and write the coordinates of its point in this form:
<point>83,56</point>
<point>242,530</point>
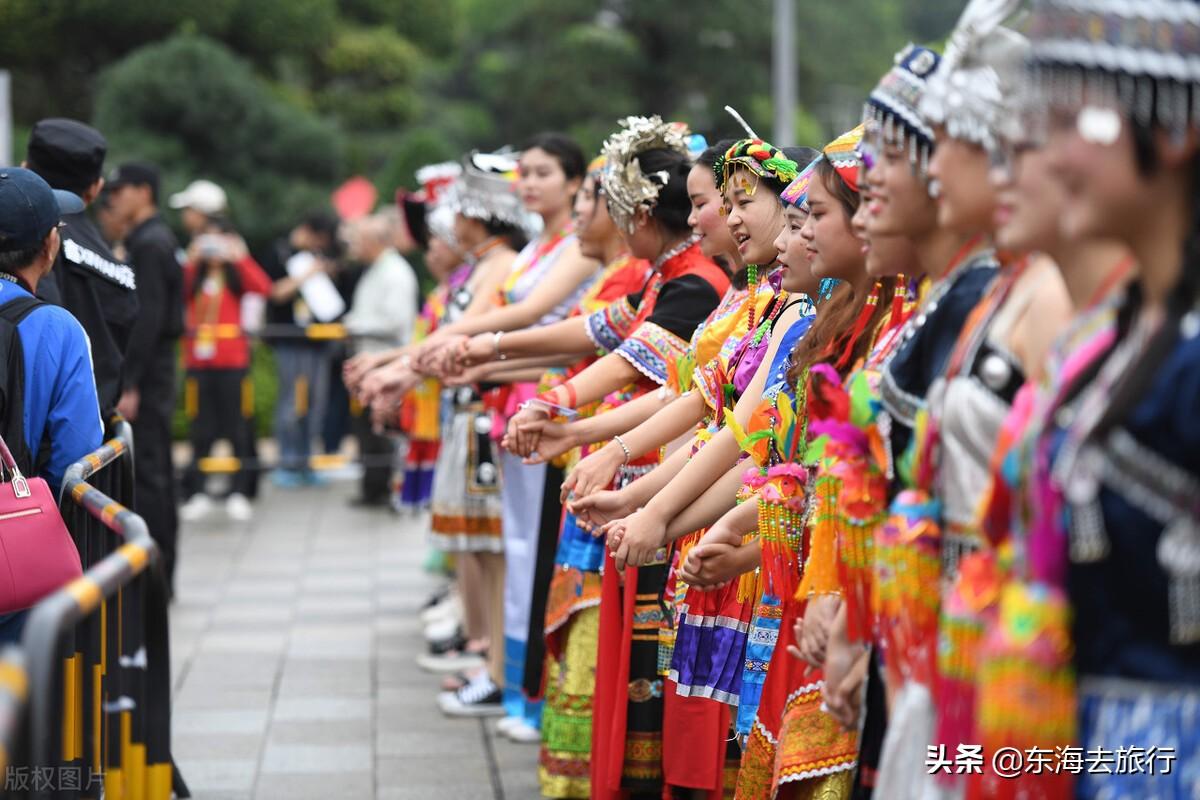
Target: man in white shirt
<point>382,315</point>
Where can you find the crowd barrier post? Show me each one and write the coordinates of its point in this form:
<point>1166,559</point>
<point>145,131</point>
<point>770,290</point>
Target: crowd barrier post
<point>98,651</point>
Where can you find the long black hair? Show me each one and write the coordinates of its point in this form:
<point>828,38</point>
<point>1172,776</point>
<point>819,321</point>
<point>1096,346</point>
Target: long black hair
<point>674,206</point>
<point>563,149</point>
<point>1183,299</point>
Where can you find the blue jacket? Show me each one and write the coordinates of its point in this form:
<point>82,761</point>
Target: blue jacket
<point>60,387</point>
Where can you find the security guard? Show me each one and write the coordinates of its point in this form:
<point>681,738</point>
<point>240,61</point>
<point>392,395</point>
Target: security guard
<point>148,400</point>
<point>87,279</point>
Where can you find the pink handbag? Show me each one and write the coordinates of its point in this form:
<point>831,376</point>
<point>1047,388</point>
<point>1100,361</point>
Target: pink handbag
<point>37,552</point>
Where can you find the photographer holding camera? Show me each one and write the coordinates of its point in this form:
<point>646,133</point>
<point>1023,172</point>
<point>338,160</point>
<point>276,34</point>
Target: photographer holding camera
<point>218,273</point>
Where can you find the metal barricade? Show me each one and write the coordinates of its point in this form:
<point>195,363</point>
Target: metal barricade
<point>99,718</point>
<point>14,691</point>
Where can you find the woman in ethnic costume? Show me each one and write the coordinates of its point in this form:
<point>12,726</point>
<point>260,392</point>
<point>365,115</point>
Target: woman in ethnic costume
<point>934,523</point>
<point>466,503</point>
<point>571,621</point>
<point>575,588</point>
<point>544,282</point>
<point>775,503</point>
<point>1113,518</point>
<point>420,410</point>
<point>695,731</point>
<point>646,194</point>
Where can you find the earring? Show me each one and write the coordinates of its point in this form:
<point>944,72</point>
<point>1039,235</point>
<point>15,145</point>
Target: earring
<point>825,290</point>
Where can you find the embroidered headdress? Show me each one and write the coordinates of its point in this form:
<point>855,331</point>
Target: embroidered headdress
<point>1142,54</point>
<point>974,91</point>
<point>893,107</point>
<point>796,192</point>
<point>626,187</point>
<point>843,153</point>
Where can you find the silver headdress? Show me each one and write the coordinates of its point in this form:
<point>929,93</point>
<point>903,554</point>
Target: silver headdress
<point>626,187</point>
<point>1143,54</point>
<point>975,90</point>
<point>487,191</point>
<point>893,108</point>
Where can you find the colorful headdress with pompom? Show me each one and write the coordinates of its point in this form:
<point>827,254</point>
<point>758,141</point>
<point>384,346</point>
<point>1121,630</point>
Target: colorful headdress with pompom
<point>757,156</point>
<point>625,185</point>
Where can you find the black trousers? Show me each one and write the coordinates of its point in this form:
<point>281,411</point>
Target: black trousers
<point>154,475</point>
<point>377,453</point>
<point>219,415</point>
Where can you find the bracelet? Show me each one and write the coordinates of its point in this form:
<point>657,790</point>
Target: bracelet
<point>571,396</point>
<point>496,346</point>
<point>625,447</point>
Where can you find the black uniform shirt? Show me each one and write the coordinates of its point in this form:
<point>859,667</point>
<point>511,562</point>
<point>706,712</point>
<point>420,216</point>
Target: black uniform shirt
<point>101,292</point>
<point>159,324</point>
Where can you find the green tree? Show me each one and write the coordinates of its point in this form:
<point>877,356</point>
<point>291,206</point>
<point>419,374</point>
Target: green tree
<point>195,109</point>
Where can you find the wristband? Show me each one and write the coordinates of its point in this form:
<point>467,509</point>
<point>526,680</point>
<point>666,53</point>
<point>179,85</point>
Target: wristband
<point>625,447</point>
<point>571,396</point>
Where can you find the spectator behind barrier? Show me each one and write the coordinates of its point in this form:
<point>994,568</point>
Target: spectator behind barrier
<point>148,400</point>
<point>381,316</point>
<point>88,279</point>
<point>216,352</point>
<point>61,414</point>
<point>303,365</point>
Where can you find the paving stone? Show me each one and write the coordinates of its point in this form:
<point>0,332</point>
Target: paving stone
<point>295,641</point>
<point>242,640</point>
<point>416,771</point>
<point>320,758</point>
<point>187,746</point>
<point>328,676</point>
<point>303,709</point>
<point>349,785</point>
<point>228,721</point>
<point>219,697</point>
<point>221,774</point>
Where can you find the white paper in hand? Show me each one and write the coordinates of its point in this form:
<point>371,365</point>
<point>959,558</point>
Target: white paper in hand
<point>319,293</point>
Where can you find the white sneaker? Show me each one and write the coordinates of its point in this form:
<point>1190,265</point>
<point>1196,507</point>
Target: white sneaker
<point>504,723</point>
<point>196,508</point>
<point>450,608</point>
<point>522,732</point>
<point>479,698</point>
<point>238,507</point>
<point>449,662</point>
<point>441,631</point>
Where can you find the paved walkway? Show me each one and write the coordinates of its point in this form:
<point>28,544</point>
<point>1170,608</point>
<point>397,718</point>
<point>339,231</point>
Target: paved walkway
<point>293,646</point>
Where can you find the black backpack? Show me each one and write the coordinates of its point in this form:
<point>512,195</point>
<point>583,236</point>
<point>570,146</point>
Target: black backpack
<point>12,392</point>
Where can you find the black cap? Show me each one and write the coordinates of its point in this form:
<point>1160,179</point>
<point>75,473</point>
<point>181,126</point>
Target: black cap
<point>29,208</point>
<point>67,153</point>
<point>135,173</point>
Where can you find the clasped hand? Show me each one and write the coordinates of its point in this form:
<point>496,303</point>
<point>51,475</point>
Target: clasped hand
<point>636,539</point>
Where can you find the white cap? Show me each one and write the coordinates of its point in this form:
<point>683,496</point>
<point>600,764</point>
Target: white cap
<point>203,196</point>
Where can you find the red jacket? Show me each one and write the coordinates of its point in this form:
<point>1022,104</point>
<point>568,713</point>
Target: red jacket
<point>214,338</point>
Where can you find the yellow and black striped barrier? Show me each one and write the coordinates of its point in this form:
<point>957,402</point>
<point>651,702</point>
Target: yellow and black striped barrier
<point>14,692</point>
<point>98,650</point>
